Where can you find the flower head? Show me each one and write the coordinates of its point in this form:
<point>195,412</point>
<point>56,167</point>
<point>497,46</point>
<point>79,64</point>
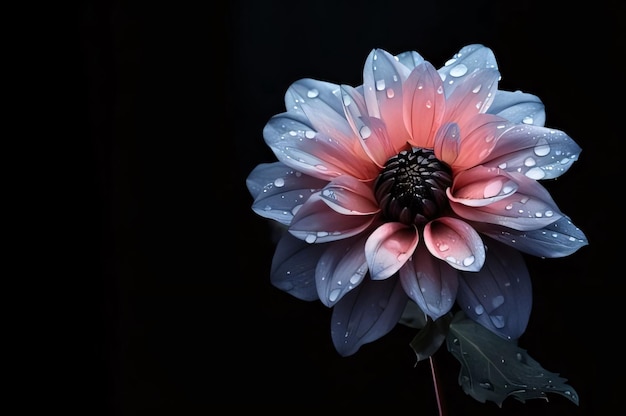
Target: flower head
<point>420,185</point>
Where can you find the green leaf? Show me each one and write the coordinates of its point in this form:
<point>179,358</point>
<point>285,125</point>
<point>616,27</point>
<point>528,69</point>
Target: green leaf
<point>429,339</point>
<point>493,368</point>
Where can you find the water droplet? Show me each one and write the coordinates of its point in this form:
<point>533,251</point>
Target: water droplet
<point>459,70</point>
<point>310,238</point>
<point>442,246</point>
<point>429,104</point>
<point>309,134</point>
<point>542,149</point>
<point>468,261</point>
<point>440,90</point>
<point>479,309</point>
<point>535,173</point>
<point>486,385</point>
<point>527,120</point>
<point>380,84</point>
<point>279,182</point>
<point>334,294</point>
<point>312,93</point>
<point>497,301</point>
<point>365,132</point>
<point>529,162</point>
<point>390,93</point>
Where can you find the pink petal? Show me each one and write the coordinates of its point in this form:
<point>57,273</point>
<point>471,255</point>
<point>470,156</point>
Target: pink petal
<point>389,247</point>
<point>382,87</point>
<point>481,186</point>
<point>456,243</point>
<point>531,207</point>
<point>478,138</point>
<point>371,131</point>
<point>316,222</point>
<point>340,269</point>
<point>349,196</point>
<point>447,143</point>
<point>473,96</point>
<point>424,105</point>
<point>431,283</point>
<point>300,146</point>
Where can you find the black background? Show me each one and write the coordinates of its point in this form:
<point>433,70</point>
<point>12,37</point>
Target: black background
<point>174,313</point>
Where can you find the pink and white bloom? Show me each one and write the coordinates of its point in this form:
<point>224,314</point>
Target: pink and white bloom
<point>420,185</point>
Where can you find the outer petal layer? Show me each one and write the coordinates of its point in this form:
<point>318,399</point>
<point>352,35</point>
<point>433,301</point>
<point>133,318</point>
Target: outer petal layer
<point>431,283</point>
<point>456,243</point>
<point>366,313</point>
<point>389,247</point>
<point>499,296</point>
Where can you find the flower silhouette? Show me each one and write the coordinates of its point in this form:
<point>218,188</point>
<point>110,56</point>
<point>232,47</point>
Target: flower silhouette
<point>420,185</point>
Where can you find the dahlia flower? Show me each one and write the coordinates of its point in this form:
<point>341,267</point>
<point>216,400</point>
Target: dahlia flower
<point>419,187</point>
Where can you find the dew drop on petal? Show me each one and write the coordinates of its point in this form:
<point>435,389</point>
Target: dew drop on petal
<point>527,120</point>
<point>468,261</point>
<point>390,93</point>
<point>312,93</point>
<point>535,173</point>
<point>479,309</point>
<point>529,162</point>
<point>334,294</point>
<point>459,70</point>
<point>497,301</point>
<point>365,132</point>
<point>380,84</point>
<point>542,149</point>
<point>310,238</point>
<point>279,182</point>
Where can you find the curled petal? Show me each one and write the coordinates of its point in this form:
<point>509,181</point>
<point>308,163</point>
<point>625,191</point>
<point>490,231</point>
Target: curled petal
<point>456,243</point>
<point>293,267</point>
<point>558,239</point>
<point>499,296</point>
<point>431,283</point>
<point>531,207</point>
<point>349,196</point>
<point>382,89</point>
<point>297,144</point>
<point>518,107</point>
<point>389,247</point>
<point>423,105</point>
<point>366,313</point>
<point>464,63</point>
<point>537,152</point>
<point>316,222</point>
<point>481,186</point>
<point>340,269</point>
<point>279,190</point>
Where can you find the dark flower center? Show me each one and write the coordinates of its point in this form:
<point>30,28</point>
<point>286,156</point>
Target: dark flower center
<point>411,188</point>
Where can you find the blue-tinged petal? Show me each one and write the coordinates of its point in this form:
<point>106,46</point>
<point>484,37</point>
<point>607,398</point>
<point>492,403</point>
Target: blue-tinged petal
<point>499,296</point>
<point>382,89</point>
<point>341,268</point>
<point>455,242</point>
<point>410,59</point>
<point>538,152</point>
<point>366,313</point>
<point>319,102</point>
<point>279,190</point>
<point>530,208</point>
<point>389,247</point>
<point>559,239</point>
<point>349,196</point>
<point>293,267</point>
<point>518,107</point>
<point>316,222</point>
<point>297,144</point>
<point>431,283</point>
<point>469,59</point>
<point>371,132</point>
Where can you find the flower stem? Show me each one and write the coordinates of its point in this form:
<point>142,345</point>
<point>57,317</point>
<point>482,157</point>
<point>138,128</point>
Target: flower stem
<point>437,386</point>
